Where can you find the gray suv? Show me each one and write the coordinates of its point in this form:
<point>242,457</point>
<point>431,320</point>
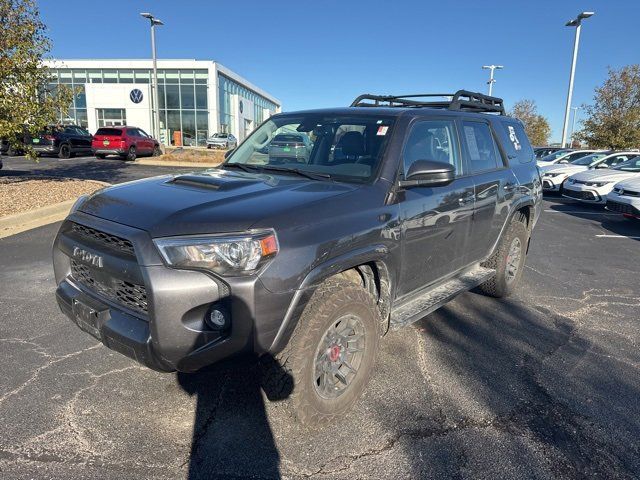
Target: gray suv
<point>401,204</point>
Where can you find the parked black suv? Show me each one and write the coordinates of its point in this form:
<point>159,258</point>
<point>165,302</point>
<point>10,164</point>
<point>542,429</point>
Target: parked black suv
<point>396,210</point>
<point>63,140</point>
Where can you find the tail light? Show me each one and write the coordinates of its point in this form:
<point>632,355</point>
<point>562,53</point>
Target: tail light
<point>49,137</point>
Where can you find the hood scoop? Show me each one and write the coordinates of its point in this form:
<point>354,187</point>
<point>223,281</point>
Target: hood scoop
<point>210,182</point>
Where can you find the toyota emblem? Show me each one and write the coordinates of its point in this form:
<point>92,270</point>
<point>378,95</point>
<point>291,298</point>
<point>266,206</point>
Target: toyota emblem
<point>136,95</point>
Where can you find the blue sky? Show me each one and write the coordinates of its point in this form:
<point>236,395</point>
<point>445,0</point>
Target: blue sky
<point>321,54</point>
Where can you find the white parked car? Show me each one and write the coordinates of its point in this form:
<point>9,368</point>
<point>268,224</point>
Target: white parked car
<point>554,176</point>
<point>625,198</point>
<point>567,156</point>
<point>222,140</point>
<point>593,186</point>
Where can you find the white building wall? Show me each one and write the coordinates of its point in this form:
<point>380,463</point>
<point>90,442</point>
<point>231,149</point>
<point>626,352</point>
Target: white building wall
<point>117,95</point>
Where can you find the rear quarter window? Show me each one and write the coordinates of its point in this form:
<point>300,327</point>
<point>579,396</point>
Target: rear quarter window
<point>515,141</point>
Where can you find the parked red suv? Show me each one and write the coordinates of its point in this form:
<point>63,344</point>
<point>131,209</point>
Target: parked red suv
<point>126,142</point>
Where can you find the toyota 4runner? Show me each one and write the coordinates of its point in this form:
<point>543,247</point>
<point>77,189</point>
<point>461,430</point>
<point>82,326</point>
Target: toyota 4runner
<point>401,203</point>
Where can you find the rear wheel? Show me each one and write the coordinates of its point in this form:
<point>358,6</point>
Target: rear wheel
<point>331,354</point>
<point>131,154</point>
<point>65,151</point>
<point>508,261</point>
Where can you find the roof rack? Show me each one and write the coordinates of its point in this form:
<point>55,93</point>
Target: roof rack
<point>462,100</point>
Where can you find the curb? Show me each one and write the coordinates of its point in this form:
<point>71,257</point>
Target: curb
<point>163,163</point>
<point>23,221</point>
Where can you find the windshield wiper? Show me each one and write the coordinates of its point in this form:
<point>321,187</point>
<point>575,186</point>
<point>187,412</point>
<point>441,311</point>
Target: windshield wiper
<point>302,173</point>
<point>246,168</point>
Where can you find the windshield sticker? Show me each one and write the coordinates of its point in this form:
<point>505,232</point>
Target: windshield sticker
<point>382,130</point>
<point>514,138</point>
<point>472,144</point>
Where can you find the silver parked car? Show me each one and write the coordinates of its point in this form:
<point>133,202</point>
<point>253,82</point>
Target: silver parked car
<point>222,140</point>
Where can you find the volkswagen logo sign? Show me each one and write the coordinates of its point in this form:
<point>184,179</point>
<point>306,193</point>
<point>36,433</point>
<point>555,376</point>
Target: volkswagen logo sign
<point>136,95</point>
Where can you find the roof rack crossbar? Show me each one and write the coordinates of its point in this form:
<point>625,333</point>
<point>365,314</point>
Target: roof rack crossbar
<point>462,100</point>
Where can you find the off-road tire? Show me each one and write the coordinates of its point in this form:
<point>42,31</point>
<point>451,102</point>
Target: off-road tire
<point>292,370</point>
<point>498,286</point>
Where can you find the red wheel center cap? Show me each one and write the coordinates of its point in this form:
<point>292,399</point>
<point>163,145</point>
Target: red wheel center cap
<point>334,352</point>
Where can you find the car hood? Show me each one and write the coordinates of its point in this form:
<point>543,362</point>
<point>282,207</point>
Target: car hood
<point>207,202</point>
<point>604,175</point>
<point>630,183</point>
<point>568,169</point>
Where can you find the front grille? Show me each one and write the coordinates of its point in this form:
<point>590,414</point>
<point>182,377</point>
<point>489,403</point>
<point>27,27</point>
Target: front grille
<point>579,195</point>
<point>103,238</point>
<point>621,208</point>
<point>119,291</point>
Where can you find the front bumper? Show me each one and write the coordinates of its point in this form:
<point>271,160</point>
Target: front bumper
<point>624,205</point>
<point>170,333</point>
<point>584,193</point>
<point>553,184</point>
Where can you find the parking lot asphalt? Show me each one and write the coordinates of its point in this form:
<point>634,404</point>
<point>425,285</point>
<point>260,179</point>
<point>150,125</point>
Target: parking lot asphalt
<point>545,384</point>
<point>110,169</point>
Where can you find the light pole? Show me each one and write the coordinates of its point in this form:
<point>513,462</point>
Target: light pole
<point>573,125</point>
<point>576,22</point>
<point>154,88</point>
<point>491,79</point>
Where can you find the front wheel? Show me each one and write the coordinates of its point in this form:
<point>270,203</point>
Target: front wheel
<point>331,354</point>
<point>156,151</point>
<point>508,261</point>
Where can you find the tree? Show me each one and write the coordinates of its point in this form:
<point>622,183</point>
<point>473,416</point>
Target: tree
<point>535,125</point>
<point>613,121</point>
<point>26,106</point>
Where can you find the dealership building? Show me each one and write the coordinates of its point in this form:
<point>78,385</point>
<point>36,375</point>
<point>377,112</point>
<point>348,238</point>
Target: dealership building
<point>196,97</point>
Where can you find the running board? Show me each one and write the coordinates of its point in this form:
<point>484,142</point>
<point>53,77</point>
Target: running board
<point>431,300</point>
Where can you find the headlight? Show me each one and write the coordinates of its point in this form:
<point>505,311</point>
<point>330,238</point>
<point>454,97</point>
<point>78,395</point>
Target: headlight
<point>618,190</point>
<point>552,175</point>
<point>240,254</point>
<point>597,184</point>
<point>571,181</point>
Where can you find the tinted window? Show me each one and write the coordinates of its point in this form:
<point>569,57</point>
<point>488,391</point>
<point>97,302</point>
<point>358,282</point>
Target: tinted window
<point>432,140</point>
<point>516,142</point>
<point>131,132</point>
<point>482,149</point>
<point>113,132</point>
<point>70,130</point>
<point>142,133</point>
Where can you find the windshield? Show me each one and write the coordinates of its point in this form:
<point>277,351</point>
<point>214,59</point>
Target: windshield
<point>552,156</point>
<point>631,165</point>
<point>590,159</point>
<point>342,147</point>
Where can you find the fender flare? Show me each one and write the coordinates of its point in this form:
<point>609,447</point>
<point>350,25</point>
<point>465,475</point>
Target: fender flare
<point>525,202</point>
<point>328,268</point>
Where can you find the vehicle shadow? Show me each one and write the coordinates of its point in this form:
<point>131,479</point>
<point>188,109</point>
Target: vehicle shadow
<point>232,437</point>
<point>519,385</point>
<point>610,221</point>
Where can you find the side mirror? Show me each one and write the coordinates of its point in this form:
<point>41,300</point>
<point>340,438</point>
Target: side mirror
<point>428,173</point>
<point>228,152</point>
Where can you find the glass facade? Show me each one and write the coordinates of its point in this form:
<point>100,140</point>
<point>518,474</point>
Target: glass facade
<point>182,98</point>
<point>228,87</point>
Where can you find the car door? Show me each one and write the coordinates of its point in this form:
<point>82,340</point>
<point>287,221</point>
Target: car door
<point>495,185</point>
<point>435,221</point>
<point>145,140</point>
<point>70,135</point>
<point>84,139</point>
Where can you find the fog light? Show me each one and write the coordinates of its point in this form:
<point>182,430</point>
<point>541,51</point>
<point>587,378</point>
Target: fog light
<point>217,318</point>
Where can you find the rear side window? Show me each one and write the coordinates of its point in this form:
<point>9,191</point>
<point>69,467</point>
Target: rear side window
<point>112,132</point>
<point>131,132</point>
<point>481,147</point>
<point>516,142</point>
